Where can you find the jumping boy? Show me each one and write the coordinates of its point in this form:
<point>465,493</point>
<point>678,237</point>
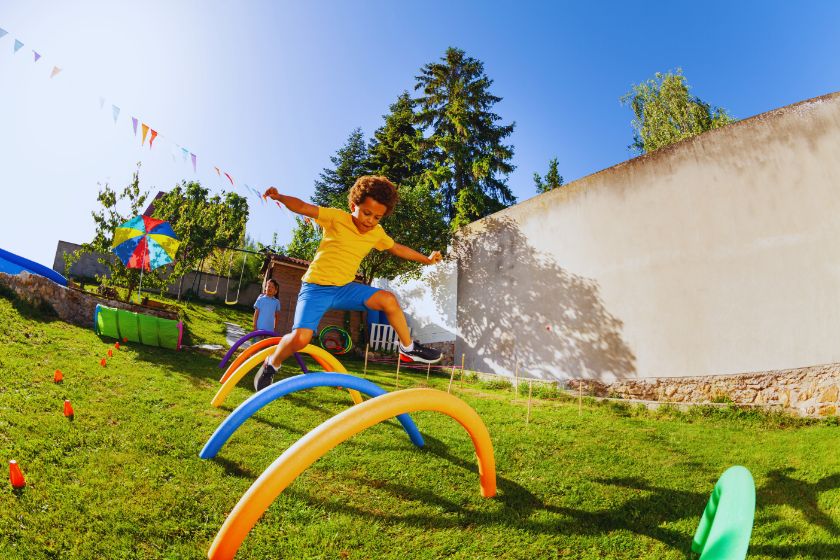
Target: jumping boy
<point>328,283</point>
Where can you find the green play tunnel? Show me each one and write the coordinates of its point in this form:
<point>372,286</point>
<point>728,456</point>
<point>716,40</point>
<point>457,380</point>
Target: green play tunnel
<point>137,327</point>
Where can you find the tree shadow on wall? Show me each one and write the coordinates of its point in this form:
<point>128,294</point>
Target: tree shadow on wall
<point>517,305</point>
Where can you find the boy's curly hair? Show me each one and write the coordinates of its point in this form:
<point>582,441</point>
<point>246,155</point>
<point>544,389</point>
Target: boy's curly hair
<point>376,187</point>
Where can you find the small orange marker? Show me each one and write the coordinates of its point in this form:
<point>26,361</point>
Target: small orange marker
<point>125,339</point>
<point>110,353</point>
<point>58,377</point>
<point>117,345</point>
<point>68,409</point>
<point>15,475</point>
<point>102,362</point>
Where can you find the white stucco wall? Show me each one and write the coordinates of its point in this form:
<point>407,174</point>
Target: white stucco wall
<point>428,302</point>
<point>717,255</point>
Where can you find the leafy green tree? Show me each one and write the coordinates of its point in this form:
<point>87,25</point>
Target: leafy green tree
<point>117,207</point>
<point>305,240</point>
<point>202,222</point>
<point>665,112</point>
<point>552,180</point>
<point>467,158</point>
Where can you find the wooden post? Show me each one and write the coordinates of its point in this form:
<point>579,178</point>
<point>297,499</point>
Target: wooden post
<point>462,371</point>
<point>516,380</point>
<point>451,376</point>
<point>580,388</point>
<point>530,386</point>
<point>428,371</point>
<point>367,348</point>
<point>397,383</point>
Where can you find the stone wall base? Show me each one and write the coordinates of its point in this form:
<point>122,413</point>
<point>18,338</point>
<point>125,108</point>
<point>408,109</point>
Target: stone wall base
<point>70,305</point>
<point>809,391</point>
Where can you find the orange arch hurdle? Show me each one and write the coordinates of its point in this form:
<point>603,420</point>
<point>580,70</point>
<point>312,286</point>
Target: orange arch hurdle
<point>324,358</point>
<point>334,431</point>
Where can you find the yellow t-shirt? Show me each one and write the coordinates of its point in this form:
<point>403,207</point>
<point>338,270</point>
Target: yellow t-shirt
<point>342,248</point>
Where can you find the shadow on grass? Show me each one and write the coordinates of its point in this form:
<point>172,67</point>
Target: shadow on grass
<point>649,511</point>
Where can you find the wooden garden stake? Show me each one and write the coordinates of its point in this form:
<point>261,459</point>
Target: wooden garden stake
<point>580,388</point>
<point>530,386</point>
<point>462,371</point>
<point>516,380</point>
<point>428,370</point>
<point>397,383</point>
<point>367,348</point>
<point>451,377</point>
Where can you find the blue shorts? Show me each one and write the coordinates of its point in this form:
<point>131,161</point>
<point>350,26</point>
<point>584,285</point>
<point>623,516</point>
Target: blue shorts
<point>314,300</point>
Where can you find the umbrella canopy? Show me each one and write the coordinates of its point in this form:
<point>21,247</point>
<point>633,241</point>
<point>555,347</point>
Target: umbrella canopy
<point>145,243</point>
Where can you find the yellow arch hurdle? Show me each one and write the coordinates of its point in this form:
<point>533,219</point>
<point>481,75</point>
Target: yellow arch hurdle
<point>324,358</point>
<point>328,435</point>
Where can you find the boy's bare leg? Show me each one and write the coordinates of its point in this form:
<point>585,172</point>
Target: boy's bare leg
<point>288,345</point>
<point>384,300</point>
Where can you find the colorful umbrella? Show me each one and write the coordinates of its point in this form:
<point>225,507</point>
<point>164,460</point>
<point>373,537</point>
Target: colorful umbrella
<point>145,243</point>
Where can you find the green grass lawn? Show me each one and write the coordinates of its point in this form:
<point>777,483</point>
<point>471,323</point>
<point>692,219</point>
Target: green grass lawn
<point>124,480</point>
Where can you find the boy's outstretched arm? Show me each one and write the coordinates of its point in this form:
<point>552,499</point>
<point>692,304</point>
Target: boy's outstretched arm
<point>296,205</point>
<point>410,254</point>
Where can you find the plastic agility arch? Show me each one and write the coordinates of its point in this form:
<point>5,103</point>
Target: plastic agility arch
<point>328,435</point>
<point>239,343</point>
<point>137,327</point>
<point>292,385</point>
<point>247,353</point>
<point>725,528</point>
<point>324,358</point>
<point>257,346</point>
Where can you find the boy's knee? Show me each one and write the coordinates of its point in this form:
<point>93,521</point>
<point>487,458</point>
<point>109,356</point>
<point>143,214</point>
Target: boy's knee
<point>300,339</point>
<point>388,300</point>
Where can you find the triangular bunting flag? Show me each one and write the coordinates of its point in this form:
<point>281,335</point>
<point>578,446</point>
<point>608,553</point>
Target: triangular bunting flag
<point>152,138</point>
<point>37,56</point>
<point>18,45</point>
<point>134,123</point>
<point>116,112</point>
<point>145,132</point>
<point>3,33</point>
<point>229,178</point>
<point>101,102</point>
<point>217,171</point>
<point>185,152</point>
<point>55,71</point>
<point>193,161</point>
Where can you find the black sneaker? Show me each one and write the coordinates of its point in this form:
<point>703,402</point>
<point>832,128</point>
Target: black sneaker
<point>420,353</point>
<point>264,377</point>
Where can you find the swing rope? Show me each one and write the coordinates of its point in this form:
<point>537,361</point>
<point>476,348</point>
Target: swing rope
<point>239,287</point>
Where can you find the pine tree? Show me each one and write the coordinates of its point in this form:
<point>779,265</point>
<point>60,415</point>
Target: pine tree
<point>552,180</point>
<point>468,161</point>
<point>349,163</point>
<point>418,222</point>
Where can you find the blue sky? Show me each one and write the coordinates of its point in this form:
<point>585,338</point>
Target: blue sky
<point>268,91</point>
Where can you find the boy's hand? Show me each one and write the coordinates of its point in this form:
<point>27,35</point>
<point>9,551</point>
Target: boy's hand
<point>271,192</point>
<point>435,257</point>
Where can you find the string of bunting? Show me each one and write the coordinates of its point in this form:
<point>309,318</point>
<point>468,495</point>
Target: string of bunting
<point>147,132</point>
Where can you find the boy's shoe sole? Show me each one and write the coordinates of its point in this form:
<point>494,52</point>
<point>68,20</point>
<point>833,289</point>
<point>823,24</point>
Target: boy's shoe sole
<point>264,377</point>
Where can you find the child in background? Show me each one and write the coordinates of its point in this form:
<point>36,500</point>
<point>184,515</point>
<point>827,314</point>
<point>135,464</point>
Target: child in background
<point>267,308</point>
<point>329,281</point>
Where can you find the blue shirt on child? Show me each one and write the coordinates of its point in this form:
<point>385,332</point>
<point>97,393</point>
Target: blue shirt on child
<point>267,306</point>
